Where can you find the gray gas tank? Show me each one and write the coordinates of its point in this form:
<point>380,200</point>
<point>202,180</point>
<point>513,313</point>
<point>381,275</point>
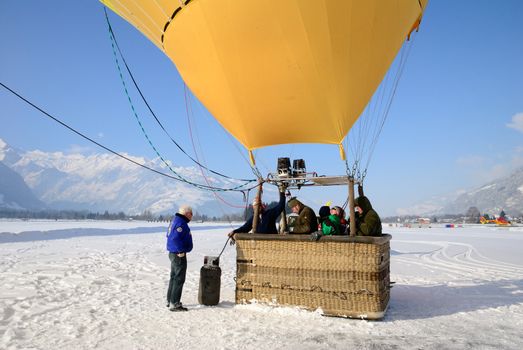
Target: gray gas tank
<point>210,281</point>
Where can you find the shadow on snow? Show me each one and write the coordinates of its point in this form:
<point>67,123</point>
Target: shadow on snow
<point>418,302</point>
<point>28,236</point>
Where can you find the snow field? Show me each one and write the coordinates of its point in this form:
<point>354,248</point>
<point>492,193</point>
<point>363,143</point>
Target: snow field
<point>94,286</point>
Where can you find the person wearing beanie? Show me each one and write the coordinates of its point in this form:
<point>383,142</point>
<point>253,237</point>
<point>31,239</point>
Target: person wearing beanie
<point>324,213</point>
<point>307,222</point>
<point>368,222</point>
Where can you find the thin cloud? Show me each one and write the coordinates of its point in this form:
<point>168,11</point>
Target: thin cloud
<point>497,171</point>
<point>481,169</point>
<point>517,122</point>
<point>500,170</point>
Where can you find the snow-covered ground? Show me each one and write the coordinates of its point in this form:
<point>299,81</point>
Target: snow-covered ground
<point>102,285</point>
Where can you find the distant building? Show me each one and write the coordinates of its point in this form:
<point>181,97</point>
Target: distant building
<point>423,221</point>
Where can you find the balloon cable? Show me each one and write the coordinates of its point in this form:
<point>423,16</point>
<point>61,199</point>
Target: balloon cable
<point>113,38</point>
<point>181,178</point>
<point>88,138</point>
<point>188,111</point>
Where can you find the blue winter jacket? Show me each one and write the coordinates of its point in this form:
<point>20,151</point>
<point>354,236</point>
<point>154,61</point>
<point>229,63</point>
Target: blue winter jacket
<point>179,238</point>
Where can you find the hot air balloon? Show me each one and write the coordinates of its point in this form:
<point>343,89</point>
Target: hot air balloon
<point>258,64</point>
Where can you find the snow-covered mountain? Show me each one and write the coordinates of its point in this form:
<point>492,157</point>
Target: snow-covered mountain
<point>14,193</point>
<point>107,182</point>
<point>36,179</point>
<point>502,194</point>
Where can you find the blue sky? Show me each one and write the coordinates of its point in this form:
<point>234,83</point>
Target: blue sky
<point>455,123</point>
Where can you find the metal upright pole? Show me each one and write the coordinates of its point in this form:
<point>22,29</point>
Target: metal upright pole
<point>283,222</point>
<point>352,215</point>
<point>360,190</point>
<point>256,209</point>
<point>283,218</point>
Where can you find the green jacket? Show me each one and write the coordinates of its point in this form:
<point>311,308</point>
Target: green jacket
<point>307,222</point>
<point>331,226</point>
<point>368,223</point>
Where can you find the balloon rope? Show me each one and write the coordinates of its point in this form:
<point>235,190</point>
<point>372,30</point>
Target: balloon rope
<point>113,38</point>
<point>225,245</point>
<point>188,111</point>
<point>179,177</point>
<point>88,138</point>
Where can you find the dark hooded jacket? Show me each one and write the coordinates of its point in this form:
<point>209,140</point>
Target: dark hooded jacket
<point>368,223</point>
<point>267,220</point>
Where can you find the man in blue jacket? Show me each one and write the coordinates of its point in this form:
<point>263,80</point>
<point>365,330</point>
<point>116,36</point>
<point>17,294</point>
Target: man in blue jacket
<point>179,243</point>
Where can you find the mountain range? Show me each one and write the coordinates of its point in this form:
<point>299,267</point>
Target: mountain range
<point>502,194</point>
<point>14,193</point>
<point>36,180</point>
<point>491,198</point>
<point>99,182</point>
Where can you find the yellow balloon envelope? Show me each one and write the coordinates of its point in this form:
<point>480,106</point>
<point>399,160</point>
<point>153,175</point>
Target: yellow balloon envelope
<point>276,72</point>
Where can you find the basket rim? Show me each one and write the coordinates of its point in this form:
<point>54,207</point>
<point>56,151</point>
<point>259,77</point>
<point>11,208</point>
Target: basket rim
<point>384,238</point>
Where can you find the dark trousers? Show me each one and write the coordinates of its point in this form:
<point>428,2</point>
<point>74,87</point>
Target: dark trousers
<point>178,270</point>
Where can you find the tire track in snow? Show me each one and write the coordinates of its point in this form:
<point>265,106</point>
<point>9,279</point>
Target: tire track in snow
<point>467,263</point>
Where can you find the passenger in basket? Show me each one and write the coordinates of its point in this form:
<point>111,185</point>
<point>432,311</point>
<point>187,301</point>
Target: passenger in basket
<point>340,213</point>
<point>307,222</point>
<point>331,225</point>
<point>368,222</point>
<point>267,218</point>
<point>323,214</point>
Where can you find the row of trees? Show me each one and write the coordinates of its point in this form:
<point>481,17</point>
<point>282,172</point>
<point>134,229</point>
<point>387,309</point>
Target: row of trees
<point>61,215</point>
<point>472,216</point>
<point>146,215</point>
<point>106,215</point>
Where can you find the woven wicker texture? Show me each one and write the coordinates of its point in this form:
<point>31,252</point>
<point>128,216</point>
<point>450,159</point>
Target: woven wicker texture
<point>343,278</point>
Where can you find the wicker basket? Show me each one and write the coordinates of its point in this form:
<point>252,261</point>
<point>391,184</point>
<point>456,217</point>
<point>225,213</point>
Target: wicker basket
<point>344,276</point>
